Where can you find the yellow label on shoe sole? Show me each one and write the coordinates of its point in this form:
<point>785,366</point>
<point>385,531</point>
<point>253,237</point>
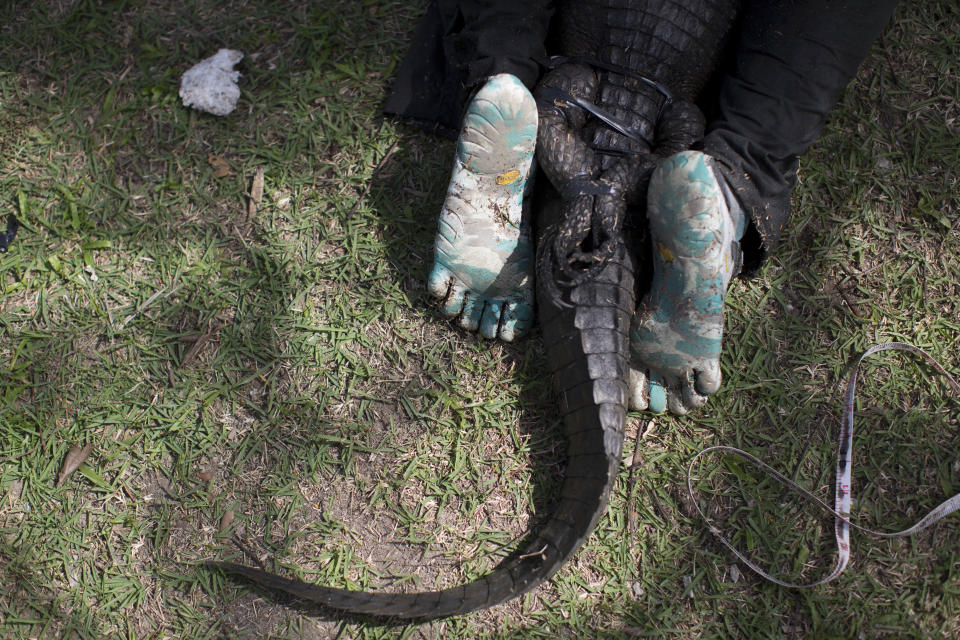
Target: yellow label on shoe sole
<point>508,178</point>
<point>665,252</point>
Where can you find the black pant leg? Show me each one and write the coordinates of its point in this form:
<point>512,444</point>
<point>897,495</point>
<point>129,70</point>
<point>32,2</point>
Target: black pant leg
<point>503,36</point>
<point>791,62</point>
<point>460,43</point>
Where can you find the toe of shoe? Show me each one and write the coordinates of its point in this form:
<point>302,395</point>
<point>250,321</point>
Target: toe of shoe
<point>690,398</point>
<point>707,379</point>
<point>675,403</point>
<point>639,390</point>
<point>472,312</point>
<point>490,321</point>
<point>439,281</point>
<point>658,394</point>
<point>516,321</point>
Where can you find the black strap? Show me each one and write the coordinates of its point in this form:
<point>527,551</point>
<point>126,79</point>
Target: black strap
<point>555,61</point>
<point>551,95</point>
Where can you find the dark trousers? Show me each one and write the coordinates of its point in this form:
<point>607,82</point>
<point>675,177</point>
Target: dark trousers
<point>788,64</point>
<point>457,45</point>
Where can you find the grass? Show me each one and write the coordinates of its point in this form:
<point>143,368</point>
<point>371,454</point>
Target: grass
<point>278,385</point>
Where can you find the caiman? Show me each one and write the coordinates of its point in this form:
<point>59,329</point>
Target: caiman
<point>619,99</point>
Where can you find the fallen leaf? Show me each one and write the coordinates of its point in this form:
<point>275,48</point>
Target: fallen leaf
<point>220,166</point>
<point>226,520</point>
<point>75,457</point>
<point>256,193</point>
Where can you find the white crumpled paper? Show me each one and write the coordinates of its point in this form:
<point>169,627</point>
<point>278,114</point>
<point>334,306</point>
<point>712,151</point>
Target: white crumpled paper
<point>211,85</point>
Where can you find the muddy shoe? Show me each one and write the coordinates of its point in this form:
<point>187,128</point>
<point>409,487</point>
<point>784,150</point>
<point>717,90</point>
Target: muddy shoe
<point>483,253</point>
<point>676,336</point>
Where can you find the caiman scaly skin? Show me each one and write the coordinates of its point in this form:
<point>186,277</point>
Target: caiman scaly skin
<point>585,320</point>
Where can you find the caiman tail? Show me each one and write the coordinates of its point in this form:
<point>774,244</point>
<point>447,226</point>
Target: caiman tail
<point>587,353</point>
<point>586,331</point>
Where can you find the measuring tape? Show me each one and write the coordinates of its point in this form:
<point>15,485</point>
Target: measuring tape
<point>842,498</point>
